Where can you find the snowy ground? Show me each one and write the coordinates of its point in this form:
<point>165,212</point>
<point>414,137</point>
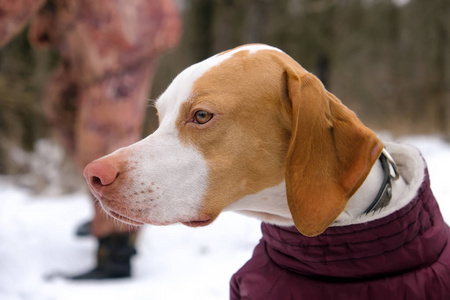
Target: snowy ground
<point>174,262</point>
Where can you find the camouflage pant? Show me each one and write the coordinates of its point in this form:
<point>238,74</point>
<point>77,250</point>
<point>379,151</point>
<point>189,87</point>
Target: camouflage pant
<point>96,99</point>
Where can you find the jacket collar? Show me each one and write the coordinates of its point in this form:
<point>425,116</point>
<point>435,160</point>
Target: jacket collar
<point>407,239</point>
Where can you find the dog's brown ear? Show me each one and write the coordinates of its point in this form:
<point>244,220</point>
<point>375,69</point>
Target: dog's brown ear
<point>330,154</point>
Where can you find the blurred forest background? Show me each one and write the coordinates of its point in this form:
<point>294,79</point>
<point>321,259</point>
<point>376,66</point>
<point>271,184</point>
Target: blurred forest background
<point>388,60</point>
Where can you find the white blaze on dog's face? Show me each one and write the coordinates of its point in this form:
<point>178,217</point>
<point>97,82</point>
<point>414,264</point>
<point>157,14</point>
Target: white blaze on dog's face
<point>188,172</point>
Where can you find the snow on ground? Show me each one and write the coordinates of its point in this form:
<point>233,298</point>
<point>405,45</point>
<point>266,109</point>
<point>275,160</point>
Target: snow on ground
<point>174,262</point>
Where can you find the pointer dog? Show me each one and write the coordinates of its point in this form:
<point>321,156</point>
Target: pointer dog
<point>250,130</point>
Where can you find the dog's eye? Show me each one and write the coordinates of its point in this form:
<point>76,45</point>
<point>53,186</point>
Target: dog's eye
<point>202,117</point>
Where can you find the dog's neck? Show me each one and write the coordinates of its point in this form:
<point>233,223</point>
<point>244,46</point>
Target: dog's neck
<point>366,194</point>
<point>270,205</point>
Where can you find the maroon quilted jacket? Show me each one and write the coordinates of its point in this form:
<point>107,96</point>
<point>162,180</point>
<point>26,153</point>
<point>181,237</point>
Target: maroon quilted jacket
<point>404,255</point>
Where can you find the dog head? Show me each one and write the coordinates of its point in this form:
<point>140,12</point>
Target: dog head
<point>233,125</point>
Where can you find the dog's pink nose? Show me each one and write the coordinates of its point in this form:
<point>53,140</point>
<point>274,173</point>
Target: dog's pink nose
<point>100,173</point>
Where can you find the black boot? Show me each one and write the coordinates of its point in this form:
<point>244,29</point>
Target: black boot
<point>113,257</point>
<point>84,229</point>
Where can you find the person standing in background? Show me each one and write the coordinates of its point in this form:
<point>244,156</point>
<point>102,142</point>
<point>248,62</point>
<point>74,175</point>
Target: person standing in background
<point>95,101</point>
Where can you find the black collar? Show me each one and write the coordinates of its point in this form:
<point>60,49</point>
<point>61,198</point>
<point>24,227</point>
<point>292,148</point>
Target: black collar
<point>385,193</point>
